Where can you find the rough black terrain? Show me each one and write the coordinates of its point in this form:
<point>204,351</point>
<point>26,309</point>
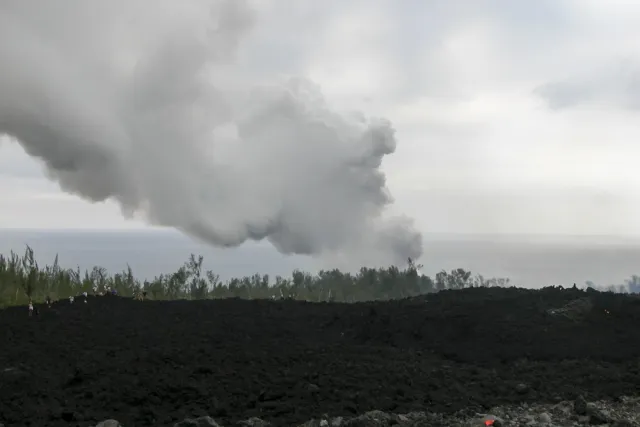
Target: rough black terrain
<point>153,363</point>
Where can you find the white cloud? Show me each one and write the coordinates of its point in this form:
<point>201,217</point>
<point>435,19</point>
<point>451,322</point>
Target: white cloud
<point>478,149</point>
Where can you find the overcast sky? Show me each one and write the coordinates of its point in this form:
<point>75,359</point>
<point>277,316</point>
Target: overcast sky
<point>511,116</point>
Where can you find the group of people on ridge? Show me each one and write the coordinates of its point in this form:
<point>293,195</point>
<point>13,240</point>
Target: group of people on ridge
<point>108,291</point>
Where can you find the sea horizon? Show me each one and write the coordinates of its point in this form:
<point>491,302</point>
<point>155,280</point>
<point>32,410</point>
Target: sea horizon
<point>528,260</point>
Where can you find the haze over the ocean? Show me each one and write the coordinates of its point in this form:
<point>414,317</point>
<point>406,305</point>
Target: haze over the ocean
<point>531,261</point>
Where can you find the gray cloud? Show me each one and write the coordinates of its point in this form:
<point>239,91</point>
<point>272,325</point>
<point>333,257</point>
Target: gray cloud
<point>140,102</point>
<point>560,95</point>
<point>616,86</point>
<point>14,163</point>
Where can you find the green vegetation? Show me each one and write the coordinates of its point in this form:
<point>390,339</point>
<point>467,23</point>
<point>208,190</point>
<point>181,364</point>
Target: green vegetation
<point>22,278</point>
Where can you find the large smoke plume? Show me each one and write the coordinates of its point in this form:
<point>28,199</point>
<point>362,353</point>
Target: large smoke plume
<point>138,101</point>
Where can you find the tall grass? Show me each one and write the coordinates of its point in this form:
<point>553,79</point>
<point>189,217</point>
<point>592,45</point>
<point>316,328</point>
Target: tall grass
<point>22,278</point>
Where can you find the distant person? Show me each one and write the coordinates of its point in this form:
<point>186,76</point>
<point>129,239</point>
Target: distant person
<point>48,300</point>
<point>144,295</point>
<point>30,308</point>
<point>71,300</point>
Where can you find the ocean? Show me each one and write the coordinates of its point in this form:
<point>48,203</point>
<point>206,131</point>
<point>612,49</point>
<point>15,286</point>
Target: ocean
<point>530,261</point>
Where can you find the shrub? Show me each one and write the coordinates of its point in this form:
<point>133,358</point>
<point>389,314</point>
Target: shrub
<point>21,278</point>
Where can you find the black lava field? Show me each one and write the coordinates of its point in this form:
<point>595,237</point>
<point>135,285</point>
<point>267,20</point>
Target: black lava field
<point>158,362</point>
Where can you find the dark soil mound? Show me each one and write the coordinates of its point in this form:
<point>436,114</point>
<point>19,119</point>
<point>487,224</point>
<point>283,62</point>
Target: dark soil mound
<point>150,363</point>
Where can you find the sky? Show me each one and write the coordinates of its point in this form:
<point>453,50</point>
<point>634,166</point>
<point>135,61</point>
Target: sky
<point>510,117</point>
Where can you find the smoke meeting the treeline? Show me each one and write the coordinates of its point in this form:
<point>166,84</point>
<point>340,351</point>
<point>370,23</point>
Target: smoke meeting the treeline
<point>139,101</point>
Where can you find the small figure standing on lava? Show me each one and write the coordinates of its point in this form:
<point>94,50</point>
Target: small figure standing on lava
<point>84,294</point>
<point>71,300</point>
<point>30,308</point>
<point>144,295</point>
<point>48,300</point>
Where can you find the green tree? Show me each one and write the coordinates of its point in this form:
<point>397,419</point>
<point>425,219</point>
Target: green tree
<point>22,278</point>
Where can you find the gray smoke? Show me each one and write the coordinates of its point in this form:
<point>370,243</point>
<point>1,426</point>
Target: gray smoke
<point>139,101</point>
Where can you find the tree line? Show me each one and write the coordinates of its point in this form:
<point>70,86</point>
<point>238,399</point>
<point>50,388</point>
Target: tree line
<point>22,279</point>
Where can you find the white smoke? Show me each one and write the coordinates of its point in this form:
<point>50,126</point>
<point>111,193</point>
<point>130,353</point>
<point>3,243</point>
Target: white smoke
<point>138,101</point>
